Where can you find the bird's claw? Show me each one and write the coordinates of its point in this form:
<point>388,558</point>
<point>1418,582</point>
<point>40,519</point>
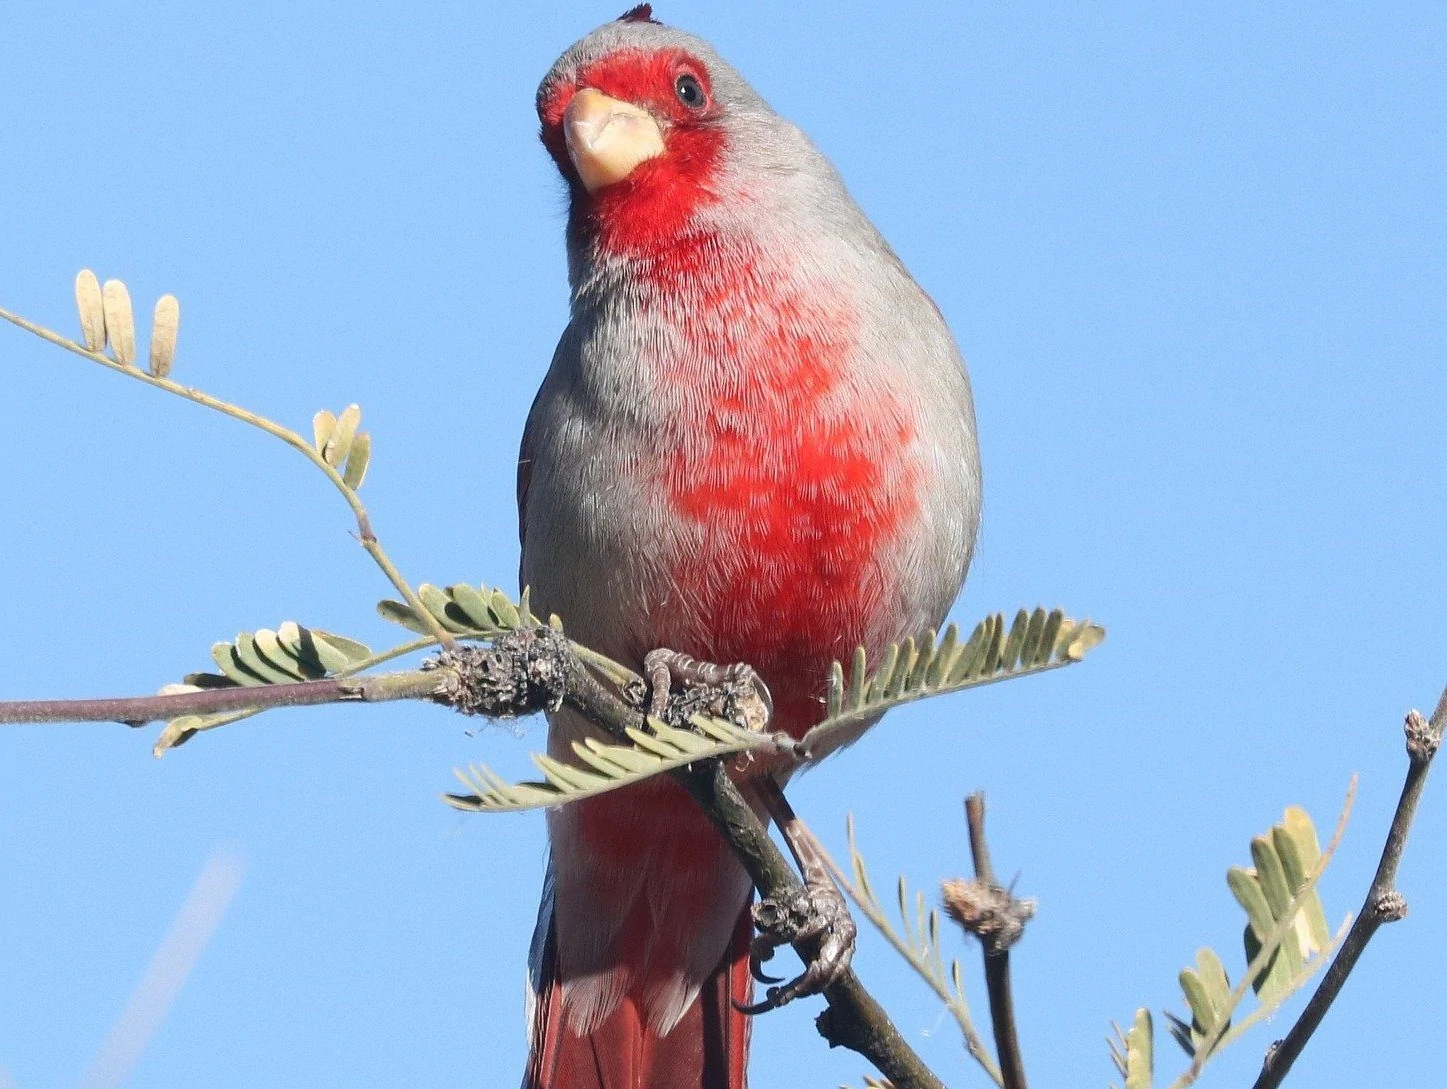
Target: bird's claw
<point>732,691</point>
<point>760,951</point>
<point>816,912</point>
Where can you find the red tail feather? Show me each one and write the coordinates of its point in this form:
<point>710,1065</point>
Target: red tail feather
<point>707,1049</point>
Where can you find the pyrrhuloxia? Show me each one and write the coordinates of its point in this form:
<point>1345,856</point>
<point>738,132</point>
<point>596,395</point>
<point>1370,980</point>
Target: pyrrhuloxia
<point>755,444</point>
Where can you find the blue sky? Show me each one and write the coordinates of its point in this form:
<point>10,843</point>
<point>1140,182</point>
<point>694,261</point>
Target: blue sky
<point>1195,257</point>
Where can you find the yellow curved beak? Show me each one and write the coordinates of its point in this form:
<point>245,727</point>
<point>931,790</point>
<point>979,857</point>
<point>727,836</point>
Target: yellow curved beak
<point>607,138</point>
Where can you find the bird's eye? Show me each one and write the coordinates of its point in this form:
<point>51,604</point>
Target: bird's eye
<point>689,90</point>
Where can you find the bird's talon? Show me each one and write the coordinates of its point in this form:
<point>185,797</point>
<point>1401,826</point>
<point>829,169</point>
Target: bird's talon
<point>756,1008</point>
<point>774,998</point>
<point>761,951</point>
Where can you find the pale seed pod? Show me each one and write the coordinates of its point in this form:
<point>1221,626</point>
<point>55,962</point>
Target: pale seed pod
<point>92,310</point>
<point>165,325</point>
<point>120,323</point>
<point>340,443</point>
<point>323,424</point>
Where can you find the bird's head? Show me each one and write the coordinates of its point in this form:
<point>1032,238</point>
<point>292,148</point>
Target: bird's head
<point>639,118</point>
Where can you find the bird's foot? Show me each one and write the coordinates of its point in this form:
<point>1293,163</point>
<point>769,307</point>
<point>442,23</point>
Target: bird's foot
<point>817,913</point>
<point>734,692</point>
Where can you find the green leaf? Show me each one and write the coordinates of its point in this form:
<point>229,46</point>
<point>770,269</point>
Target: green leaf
<point>1075,644</point>
<point>437,603</point>
<point>351,650</point>
<point>358,458</point>
<point>1211,975</point>
<point>1247,890</point>
<point>276,654</point>
<point>607,766</point>
<point>857,687</point>
<point>1208,995</point>
<point>1030,645</point>
<point>461,609</point>
<point>226,659</point>
<point>505,611</point>
<point>1140,1052</point>
<point>1271,875</point>
<point>834,702</point>
<point>244,647</point>
<point>314,657</point>
<point>1281,903</point>
<point>1014,643</point>
<point>290,653</point>
<point>399,613</point>
<point>939,662</point>
<point>179,731</point>
<point>1296,844</point>
<point>1284,858</point>
<point>1036,642</point>
<point>208,680</point>
<point>473,604</point>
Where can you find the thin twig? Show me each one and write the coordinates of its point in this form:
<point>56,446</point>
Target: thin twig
<point>171,736</point>
<point>139,710</point>
<point>997,958</point>
<point>1383,904</point>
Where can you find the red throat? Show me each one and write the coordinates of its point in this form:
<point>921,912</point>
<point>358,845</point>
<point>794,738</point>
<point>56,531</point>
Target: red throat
<point>654,203</point>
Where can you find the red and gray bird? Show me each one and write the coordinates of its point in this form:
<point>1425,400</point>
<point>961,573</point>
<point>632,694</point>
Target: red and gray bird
<point>755,443</point>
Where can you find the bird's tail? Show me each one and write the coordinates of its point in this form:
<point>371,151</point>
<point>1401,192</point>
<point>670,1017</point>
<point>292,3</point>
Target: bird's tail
<point>706,1049</point>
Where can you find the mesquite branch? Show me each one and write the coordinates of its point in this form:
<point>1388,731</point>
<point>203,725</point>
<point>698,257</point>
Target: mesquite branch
<point>139,710</point>
<point>1383,904</point>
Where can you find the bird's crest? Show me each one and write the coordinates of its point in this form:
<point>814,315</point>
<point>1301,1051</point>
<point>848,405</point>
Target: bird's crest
<point>643,13</point>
